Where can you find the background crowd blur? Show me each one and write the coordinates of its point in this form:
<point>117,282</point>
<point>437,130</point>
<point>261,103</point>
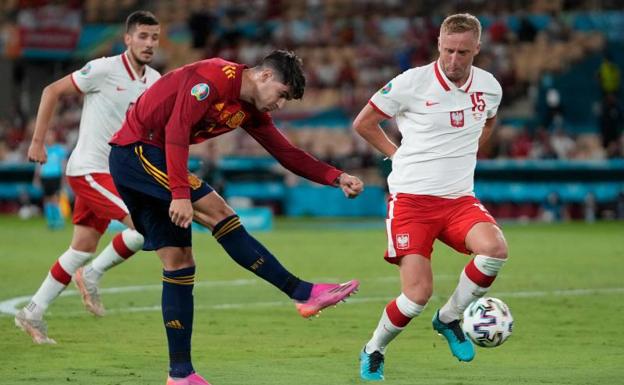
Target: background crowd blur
<point>557,153</point>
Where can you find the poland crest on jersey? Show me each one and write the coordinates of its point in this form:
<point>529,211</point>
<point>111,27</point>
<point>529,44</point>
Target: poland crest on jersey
<point>402,241</point>
<point>457,118</point>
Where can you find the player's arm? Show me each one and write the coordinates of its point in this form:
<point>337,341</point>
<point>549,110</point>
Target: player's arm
<point>300,162</point>
<point>486,133</point>
<point>49,99</point>
<point>187,111</point>
<point>366,124</point>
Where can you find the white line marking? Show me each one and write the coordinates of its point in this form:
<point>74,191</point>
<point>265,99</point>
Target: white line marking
<point>11,306</point>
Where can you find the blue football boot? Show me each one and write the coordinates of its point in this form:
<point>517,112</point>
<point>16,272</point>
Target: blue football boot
<point>460,345</point>
<point>371,365</point>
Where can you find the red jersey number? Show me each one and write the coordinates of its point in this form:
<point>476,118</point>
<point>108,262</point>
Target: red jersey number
<point>477,101</point>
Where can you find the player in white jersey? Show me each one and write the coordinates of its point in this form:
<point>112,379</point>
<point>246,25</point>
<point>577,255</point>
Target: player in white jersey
<point>443,111</point>
<point>110,86</point>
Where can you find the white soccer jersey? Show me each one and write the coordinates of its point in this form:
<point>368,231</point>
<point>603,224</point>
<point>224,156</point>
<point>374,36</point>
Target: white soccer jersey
<point>110,86</point>
<point>441,125</point>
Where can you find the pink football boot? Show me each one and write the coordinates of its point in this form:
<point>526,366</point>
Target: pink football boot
<point>193,379</point>
<point>324,295</point>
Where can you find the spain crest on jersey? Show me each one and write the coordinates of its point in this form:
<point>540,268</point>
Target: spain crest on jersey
<point>457,118</point>
<point>194,181</point>
<point>236,119</point>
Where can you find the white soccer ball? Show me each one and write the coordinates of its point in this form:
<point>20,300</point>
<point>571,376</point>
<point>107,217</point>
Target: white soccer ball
<point>488,322</point>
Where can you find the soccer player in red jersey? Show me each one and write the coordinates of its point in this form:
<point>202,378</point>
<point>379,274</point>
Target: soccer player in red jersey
<point>443,111</point>
<point>148,162</point>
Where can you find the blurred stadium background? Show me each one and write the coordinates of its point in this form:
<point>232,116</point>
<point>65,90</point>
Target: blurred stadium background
<point>557,154</point>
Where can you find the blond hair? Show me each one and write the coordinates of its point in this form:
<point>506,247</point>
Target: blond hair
<point>461,22</point>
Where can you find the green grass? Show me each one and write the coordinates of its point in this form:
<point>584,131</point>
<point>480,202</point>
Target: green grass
<point>560,336</point>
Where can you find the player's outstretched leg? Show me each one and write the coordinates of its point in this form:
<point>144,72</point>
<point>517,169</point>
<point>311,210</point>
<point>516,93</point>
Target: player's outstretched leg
<point>87,278</point>
<point>371,365</point>
<point>192,379</point>
<point>460,345</point>
<point>253,256</point>
<point>30,317</point>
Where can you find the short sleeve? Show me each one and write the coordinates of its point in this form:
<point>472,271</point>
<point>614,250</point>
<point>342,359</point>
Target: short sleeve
<point>90,78</point>
<point>390,98</point>
<point>498,96</point>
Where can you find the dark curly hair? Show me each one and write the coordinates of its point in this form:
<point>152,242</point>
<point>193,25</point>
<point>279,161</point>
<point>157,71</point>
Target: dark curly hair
<point>289,67</point>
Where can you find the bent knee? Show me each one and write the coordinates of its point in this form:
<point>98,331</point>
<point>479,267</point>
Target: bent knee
<point>419,293</point>
<point>212,209</point>
<point>496,250</point>
<point>176,258</point>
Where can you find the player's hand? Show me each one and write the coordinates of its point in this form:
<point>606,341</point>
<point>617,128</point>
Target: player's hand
<point>351,185</point>
<point>37,152</point>
<point>181,212</point>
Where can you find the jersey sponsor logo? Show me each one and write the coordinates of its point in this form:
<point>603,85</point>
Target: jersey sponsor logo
<point>402,241</point>
<point>200,91</point>
<point>430,103</point>
<point>457,118</point>
<point>386,88</point>
<point>230,71</point>
<point>86,69</point>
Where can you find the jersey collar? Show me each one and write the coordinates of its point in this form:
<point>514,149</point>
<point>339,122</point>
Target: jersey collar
<point>447,84</point>
<point>131,72</point>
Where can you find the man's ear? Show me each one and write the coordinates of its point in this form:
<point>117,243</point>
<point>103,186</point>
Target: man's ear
<point>127,39</point>
<point>266,74</point>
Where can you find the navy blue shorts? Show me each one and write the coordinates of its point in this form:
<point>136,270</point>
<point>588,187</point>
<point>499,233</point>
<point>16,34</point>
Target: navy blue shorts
<point>139,171</point>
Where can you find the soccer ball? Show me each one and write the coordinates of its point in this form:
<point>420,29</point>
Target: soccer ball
<point>488,322</point>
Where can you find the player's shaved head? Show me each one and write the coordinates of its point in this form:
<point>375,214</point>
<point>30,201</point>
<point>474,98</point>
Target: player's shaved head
<point>289,68</point>
<point>140,18</point>
<point>461,22</point>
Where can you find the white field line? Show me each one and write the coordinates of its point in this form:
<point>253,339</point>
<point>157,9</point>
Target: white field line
<point>10,306</point>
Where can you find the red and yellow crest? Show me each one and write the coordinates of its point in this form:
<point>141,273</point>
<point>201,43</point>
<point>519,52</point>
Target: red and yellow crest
<point>236,119</point>
<point>194,181</point>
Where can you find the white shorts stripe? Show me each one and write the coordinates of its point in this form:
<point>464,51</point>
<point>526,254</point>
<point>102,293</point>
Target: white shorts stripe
<point>107,194</point>
<point>391,249</point>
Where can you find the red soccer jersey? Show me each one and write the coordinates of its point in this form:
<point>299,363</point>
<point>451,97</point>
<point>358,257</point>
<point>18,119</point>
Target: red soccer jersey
<point>201,101</point>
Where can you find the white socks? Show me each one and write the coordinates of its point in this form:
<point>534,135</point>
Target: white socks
<point>123,245</point>
<point>56,281</point>
<point>395,317</point>
<point>475,280</point>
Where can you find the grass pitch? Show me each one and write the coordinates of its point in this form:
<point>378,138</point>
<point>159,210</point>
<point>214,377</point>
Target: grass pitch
<point>564,284</point>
